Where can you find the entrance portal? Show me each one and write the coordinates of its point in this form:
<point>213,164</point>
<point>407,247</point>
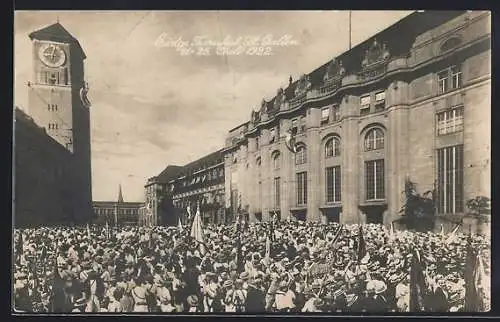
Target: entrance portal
<point>332,215</point>
<point>374,213</point>
<point>300,215</point>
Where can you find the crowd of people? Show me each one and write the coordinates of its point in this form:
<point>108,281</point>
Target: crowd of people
<point>288,266</point>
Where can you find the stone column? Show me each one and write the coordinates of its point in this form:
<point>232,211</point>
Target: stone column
<point>287,173</point>
<point>313,162</point>
<point>396,149</point>
<point>350,171</point>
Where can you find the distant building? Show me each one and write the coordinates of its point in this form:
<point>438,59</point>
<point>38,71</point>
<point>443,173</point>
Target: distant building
<point>200,182</point>
<point>117,212</point>
<point>52,161</point>
<point>412,101</point>
<point>157,208</point>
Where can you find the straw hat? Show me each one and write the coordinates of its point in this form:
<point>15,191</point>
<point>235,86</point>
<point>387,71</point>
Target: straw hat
<point>244,276</point>
<point>380,287</point>
<point>228,283</point>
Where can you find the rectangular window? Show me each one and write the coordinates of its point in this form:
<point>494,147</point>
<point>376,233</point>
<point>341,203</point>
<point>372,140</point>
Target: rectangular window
<point>277,186</point>
<point>450,179</point>
<point>333,184</point>
<point>336,113</point>
<point>365,104</point>
<point>380,101</point>
<point>449,79</point>
<point>325,114</point>
<point>374,174</point>
<point>272,135</point>
<point>450,121</point>
<point>257,142</point>
<point>302,188</point>
<point>456,77</point>
<point>277,132</point>
<point>443,81</point>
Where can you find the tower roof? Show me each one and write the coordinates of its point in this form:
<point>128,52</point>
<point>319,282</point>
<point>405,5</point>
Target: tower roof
<point>56,32</point>
<point>120,195</point>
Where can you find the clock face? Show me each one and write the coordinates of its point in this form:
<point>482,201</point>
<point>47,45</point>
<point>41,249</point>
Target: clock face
<point>52,55</point>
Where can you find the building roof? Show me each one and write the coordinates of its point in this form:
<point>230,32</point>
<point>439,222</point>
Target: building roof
<point>170,172</point>
<point>113,203</point>
<point>214,155</point>
<point>56,32</point>
<point>399,38</point>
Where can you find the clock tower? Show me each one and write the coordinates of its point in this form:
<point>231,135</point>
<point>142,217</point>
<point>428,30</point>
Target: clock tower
<point>58,103</point>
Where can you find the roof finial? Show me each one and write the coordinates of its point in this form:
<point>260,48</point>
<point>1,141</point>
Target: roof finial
<point>57,19</point>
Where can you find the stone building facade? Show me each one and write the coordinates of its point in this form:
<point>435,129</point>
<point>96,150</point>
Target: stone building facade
<point>412,101</point>
<point>201,183</point>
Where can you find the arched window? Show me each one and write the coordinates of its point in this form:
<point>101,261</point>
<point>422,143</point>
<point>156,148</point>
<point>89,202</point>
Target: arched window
<point>332,147</point>
<point>258,161</point>
<point>450,44</point>
<point>301,155</point>
<point>276,161</point>
<point>374,139</point>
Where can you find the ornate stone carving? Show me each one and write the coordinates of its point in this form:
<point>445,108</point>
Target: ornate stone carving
<point>279,99</point>
<point>303,85</point>
<point>375,54</point>
<point>255,117</point>
<point>263,107</point>
<point>334,71</point>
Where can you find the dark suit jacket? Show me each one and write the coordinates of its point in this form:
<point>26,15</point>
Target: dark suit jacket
<point>439,301</point>
<point>255,301</point>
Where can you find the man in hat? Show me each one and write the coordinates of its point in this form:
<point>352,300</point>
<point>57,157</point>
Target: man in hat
<point>438,297</point>
<point>211,299</point>
<point>255,296</point>
<point>22,300</point>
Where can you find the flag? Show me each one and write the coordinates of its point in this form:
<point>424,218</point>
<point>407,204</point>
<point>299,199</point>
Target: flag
<point>363,255</point>
<point>482,285</point>
<point>107,230</point>
<point>453,235</point>
<point>197,231</point>
<point>88,232</point>
<point>268,246</point>
<point>471,300</point>
<point>477,283</point>
<point>337,234</point>
<point>442,231</point>
<point>391,233</point>
<point>239,256</point>
<point>417,284</point>
<point>180,226</point>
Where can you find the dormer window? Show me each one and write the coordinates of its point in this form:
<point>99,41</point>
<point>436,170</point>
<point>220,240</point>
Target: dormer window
<point>325,114</point>
<point>365,104</point>
<point>380,101</point>
<point>336,113</point>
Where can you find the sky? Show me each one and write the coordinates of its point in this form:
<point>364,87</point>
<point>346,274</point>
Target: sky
<point>152,106</point>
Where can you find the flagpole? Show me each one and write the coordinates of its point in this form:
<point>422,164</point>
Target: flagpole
<point>350,30</point>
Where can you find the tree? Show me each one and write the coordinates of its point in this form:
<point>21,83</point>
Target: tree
<point>419,210</point>
<point>479,205</point>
